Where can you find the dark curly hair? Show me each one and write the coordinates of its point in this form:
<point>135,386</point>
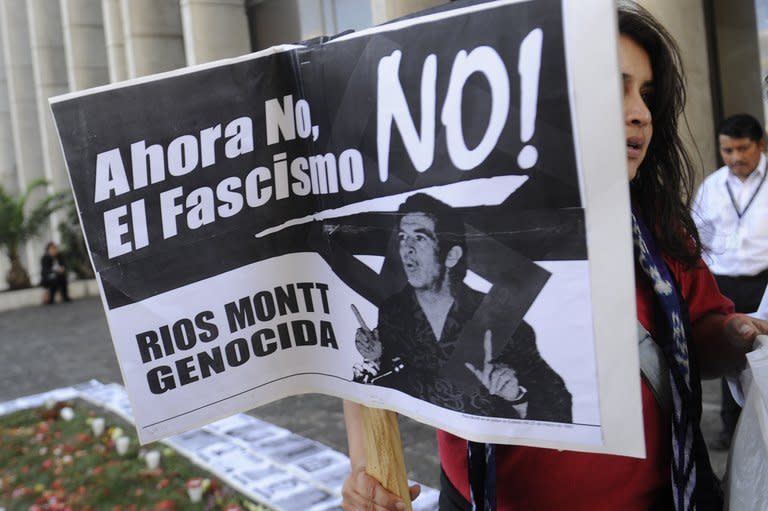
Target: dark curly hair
<point>449,229</point>
<point>663,186</point>
<point>741,126</point>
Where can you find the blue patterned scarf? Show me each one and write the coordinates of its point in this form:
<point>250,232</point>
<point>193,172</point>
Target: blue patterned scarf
<point>482,476</point>
<point>694,485</point>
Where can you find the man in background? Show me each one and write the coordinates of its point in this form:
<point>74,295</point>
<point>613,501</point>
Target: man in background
<point>731,212</point>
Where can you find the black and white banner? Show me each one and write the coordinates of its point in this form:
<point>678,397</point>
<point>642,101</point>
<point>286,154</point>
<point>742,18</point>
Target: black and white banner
<point>429,216</point>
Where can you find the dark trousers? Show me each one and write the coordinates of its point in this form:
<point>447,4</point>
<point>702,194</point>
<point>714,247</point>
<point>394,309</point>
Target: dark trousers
<point>56,284</point>
<point>746,293</point>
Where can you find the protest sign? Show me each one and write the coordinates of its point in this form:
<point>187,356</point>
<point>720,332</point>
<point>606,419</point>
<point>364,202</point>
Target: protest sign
<point>429,216</point>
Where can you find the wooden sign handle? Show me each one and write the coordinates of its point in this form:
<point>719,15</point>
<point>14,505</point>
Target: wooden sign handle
<point>384,452</point>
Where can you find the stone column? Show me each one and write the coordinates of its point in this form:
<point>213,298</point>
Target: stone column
<point>115,40</point>
<point>153,36</point>
<point>49,70</point>
<point>276,22</point>
<point>21,90</point>
<point>738,52</point>
<point>385,10</point>
<point>214,29</point>
<point>9,178</point>
<point>84,43</point>
<point>350,14</point>
<point>684,19</point>
<point>23,109</point>
<point>8,171</point>
<point>288,21</point>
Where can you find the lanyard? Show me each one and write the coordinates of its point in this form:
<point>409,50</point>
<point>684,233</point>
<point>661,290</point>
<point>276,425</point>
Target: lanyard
<point>751,200</point>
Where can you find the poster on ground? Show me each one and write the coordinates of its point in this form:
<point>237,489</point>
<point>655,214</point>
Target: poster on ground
<point>429,216</point>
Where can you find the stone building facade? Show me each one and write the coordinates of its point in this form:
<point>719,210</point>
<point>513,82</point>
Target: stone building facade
<point>50,47</point>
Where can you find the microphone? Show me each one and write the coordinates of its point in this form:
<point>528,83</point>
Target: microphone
<point>368,371</point>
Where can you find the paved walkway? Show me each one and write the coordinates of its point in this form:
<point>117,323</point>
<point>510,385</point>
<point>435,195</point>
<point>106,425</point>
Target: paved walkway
<point>46,347</point>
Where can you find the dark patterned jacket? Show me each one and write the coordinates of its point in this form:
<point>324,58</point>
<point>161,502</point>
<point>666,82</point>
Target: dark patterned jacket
<point>405,332</point>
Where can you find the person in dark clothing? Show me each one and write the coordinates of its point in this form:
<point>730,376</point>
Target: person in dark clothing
<point>420,327</point>
<point>53,274</point>
<point>406,336</point>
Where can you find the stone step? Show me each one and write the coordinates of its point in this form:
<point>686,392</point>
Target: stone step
<point>16,299</point>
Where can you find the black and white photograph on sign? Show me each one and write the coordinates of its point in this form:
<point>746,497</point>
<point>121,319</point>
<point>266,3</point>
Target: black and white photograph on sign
<point>195,440</point>
<point>305,500</point>
<point>322,461</point>
<point>334,476</point>
<point>252,476</point>
<point>437,319</point>
<point>258,433</point>
<point>292,449</point>
<point>212,454</point>
<point>390,216</point>
<point>278,486</point>
<point>236,461</point>
<point>233,422</point>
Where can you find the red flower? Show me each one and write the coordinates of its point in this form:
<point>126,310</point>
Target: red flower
<point>163,483</point>
<point>46,464</point>
<point>165,505</point>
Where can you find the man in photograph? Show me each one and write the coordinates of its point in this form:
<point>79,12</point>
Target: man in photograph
<point>420,327</point>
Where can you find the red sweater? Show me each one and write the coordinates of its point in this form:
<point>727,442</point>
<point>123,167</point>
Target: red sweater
<point>531,479</point>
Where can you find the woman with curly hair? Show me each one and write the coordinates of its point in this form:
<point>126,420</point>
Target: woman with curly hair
<point>678,305</point>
